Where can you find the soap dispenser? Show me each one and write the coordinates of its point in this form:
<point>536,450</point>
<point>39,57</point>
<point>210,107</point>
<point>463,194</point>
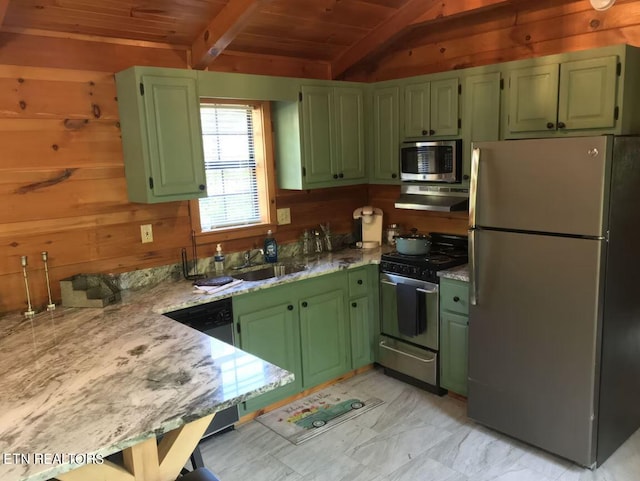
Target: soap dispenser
<point>218,260</point>
<point>270,248</point>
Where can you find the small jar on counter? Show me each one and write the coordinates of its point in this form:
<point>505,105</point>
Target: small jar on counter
<point>392,231</point>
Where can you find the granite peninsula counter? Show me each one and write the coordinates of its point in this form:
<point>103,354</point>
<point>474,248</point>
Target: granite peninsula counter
<point>97,381</point>
<point>90,382</point>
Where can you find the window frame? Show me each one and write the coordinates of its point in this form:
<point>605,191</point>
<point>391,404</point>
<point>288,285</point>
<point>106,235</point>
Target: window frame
<point>265,173</point>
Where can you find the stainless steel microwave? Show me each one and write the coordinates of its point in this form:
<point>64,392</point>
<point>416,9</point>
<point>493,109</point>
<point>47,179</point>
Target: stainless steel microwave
<point>437,161</point>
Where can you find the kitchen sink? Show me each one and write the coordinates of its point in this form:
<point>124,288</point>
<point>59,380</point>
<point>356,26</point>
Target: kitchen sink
<point>270,271</point>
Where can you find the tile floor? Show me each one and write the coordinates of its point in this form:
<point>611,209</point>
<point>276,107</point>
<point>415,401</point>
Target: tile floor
<point>414,436</point>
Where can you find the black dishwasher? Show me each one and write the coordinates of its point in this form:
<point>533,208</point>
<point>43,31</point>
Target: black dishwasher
<point>216,320</point>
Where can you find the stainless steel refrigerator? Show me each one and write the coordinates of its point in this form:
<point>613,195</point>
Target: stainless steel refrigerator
<point>554,321</point>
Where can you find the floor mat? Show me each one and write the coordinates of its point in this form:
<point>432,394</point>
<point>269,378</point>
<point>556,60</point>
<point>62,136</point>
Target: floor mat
<point>317,413</point>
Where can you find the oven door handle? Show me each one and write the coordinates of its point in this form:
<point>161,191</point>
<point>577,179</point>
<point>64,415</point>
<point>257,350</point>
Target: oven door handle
<point>417,358</point>
<point>389,283</point>
<point>432,291</point>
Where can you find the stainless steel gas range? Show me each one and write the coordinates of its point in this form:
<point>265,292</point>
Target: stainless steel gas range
<point>409,310</point>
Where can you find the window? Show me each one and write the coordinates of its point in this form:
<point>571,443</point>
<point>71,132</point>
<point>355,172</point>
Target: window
<point>238,166</point>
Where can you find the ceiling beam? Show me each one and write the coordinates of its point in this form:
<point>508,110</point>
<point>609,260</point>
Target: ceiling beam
<point>3,10</point>
<point>221,31</point>
<point>412,14</point>
<point>455,7</point>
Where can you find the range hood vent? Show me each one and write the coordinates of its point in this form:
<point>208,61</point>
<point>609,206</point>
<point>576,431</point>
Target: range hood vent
<point>440,199</point>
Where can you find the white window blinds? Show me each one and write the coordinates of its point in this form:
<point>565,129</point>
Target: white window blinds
<point>230,165</point>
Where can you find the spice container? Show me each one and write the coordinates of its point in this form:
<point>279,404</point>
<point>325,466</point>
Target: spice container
<point>392,231</point>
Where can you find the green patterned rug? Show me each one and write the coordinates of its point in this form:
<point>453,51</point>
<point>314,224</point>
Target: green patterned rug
<point>312,415</point>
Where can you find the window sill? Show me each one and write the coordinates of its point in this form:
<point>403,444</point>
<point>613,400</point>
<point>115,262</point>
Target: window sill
<point>233,233</point>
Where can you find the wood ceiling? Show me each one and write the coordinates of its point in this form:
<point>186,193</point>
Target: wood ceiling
<point>344,34</point>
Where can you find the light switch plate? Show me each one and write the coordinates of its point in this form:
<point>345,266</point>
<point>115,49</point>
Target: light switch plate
<point>284,216</point>
<point>146,233</point>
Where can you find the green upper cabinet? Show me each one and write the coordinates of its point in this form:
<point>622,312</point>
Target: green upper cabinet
<point>562,98</point>
<point>349,158</point>
<point>431,109</point>
<point>385,135</point>
<point>161,134</point>
<point>533,98</point>
<point>587,97</point>
<point>319,141</point>
<point>318,138</point>
<point>481,113</point>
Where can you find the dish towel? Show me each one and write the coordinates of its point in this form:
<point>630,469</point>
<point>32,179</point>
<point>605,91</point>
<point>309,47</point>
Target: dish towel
<point>407,309</point>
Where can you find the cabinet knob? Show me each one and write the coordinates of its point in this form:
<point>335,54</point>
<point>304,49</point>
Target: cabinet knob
<point>432,132</point>
<point>354,304</point>
<point>561,125</point>
<point>304,304</point>
<point>359,281</point>
<point>290,307</point>
<point>335,176</point>
<point>393,176</point>
<point>202,187</point>
<point>341,175</point>
<point>550,125</point>
<point>456,298</point>
<point>425,132</point>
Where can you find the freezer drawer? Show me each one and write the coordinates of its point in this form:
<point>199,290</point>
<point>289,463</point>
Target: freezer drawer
<point>543,185</point>
<point>418,363</point>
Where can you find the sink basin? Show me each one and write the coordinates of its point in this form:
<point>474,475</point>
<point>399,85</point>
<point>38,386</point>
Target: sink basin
<point>269,271</point>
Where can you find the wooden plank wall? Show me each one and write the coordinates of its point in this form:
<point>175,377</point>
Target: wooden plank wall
<point>520,29</point>
<point>62,185</point>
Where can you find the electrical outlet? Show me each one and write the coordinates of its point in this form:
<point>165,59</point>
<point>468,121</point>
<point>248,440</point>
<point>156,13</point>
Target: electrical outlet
<point>284,216</point>
<point>146,233</point>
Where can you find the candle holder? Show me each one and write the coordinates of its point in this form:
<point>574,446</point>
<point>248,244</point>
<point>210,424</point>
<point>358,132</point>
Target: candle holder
<point>45,256</point>
<point>29,313</point>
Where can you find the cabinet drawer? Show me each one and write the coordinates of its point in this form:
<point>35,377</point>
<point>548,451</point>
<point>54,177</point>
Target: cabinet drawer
<point>454,296</point>
<point>358,282</point>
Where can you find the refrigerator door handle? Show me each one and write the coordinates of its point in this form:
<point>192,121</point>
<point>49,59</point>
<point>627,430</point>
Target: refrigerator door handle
<point>473,291</point>
<point>473,186</point>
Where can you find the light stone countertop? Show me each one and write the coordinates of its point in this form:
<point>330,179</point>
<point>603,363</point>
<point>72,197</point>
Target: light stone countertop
<point>460,273</point>
<point>100,380</point>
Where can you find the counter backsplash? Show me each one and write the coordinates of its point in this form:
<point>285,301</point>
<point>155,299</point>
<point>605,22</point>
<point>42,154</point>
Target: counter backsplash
<point>154,275</point>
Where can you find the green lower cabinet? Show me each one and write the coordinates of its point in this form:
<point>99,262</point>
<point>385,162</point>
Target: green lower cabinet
<point>454,327</point>
<point>453,352</point>
<point>361,332</point>
<point>323,337</point>
<point>269,329</point>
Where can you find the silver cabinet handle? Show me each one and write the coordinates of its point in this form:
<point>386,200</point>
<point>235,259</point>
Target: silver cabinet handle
<point>384,346</point>
<point>473,186</point>
<point>389,283</point>
<point>473,294</point>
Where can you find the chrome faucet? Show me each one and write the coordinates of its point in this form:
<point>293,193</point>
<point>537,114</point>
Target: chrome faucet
<point>248,257</point>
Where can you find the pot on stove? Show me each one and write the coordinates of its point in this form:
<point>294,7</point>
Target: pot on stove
<point>413,244</point>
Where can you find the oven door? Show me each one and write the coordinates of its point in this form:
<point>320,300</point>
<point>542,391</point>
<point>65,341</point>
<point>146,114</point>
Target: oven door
<point>423,310</point>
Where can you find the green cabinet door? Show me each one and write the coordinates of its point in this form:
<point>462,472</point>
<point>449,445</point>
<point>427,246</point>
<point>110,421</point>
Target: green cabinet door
<point>588,94</point>
<point>533,98</point>
<point>161,134</point>
<point>453,352</point>
<point>481,113</point>
<point>323,337</point>
<point>444,107</point>
<point>386,135</point>
<point>360,323</point>
<point>349,158</point>
<point>417,101</point>
<point>270,332</point>
<point>317,133</point>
